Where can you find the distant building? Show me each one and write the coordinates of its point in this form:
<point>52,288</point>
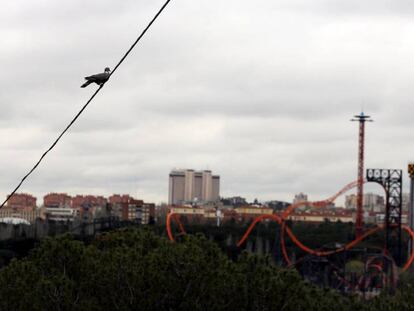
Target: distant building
<point>371,202</point>
<point>29,215</point>
<point>191,214</point>
<point>22,201</point>
<point>60,213</point>
<point>132,210</point>
<point>374,202</point>
<point>405,201</point>
<point>319,216</point>
<point>250,212</point>
<point>193,186</point>
<point>300,197</point>
<point>84,208</point>
<point>14,221</point>
<point>147,213</point>
<point>57,200</point>
<point>247,213</point>
<point>127,208</point>
<point>234,201</point>
<point>81,201</point>
<point>88,206</point>
<point>117,198</point>
<point>379,218</point>
<point>277,205</point>
<point>350,201</point>
<point>301,201</point>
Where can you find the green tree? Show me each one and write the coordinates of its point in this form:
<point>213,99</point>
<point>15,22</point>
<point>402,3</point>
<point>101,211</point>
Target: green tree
<point>137,270</point>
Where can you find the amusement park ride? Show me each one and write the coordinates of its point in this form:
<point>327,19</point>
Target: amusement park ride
<point>327,266</point>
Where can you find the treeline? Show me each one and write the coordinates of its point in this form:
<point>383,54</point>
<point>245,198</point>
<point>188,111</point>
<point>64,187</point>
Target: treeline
<point>134,269</point>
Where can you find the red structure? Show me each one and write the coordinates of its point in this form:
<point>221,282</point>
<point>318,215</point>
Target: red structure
<point>22,201</point>
<point>285,230</point>
<point>81,201</point>
<point>360,192</point>
<point>57,200</point>
<point>118,199</point>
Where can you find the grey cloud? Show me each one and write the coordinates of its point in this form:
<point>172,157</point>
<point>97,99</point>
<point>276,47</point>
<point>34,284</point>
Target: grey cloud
<point>259,92</point>
<point>354,7</point>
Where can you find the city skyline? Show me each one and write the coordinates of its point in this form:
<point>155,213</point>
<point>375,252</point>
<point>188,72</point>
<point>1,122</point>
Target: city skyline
<point>372,201</point>
<point>260,93</point>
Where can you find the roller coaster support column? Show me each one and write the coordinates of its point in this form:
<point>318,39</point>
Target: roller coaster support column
<point>391,180</point>
<point>360,192</point>
<point>411,207</point>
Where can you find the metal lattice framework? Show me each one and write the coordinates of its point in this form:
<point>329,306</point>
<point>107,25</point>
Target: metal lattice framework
<point>391,181</point>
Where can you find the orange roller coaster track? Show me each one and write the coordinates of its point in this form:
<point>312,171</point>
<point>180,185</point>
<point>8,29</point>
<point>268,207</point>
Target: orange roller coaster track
<point>281,220</point>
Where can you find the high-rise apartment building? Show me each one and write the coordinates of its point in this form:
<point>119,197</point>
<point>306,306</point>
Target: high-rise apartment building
<point>57,200</point>
<point>22,201</point>
<point>371,202</point>
<point>191,186</point>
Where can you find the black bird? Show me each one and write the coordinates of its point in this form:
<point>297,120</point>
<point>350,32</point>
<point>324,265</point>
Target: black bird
<point>99,78</point>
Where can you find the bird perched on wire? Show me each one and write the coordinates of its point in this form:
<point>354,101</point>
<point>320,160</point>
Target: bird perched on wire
<point>99,78</point>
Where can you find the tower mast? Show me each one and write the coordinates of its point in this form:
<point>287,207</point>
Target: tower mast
<point>360,192</point>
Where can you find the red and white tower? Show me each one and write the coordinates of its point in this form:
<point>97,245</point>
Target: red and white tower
<point>360,193</point>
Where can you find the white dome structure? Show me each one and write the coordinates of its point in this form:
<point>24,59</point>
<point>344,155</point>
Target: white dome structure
<point>14,221</point>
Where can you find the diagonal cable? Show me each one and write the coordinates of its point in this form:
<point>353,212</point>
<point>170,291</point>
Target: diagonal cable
<point>86,105</point>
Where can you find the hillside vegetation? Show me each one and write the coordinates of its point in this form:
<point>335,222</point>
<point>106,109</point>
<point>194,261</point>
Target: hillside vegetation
<point>134,269</point>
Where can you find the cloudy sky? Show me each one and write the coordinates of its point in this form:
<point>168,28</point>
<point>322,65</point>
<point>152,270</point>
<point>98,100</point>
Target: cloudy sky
<point>261,92</point>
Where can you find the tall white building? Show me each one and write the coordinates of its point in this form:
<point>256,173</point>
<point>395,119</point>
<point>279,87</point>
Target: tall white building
<point>191,186</point>
<point>371,202</point>
<point>405,202</point>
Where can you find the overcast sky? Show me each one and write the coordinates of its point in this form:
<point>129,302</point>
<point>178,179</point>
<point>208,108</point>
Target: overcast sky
<point>260,92</point>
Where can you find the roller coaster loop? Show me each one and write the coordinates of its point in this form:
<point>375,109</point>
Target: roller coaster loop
<point>281,220</point>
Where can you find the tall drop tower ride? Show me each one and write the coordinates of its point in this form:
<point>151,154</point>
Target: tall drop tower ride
<point>362,118</point>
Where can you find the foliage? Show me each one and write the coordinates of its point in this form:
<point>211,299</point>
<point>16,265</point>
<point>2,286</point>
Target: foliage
<point>136,270</point>
<point>355,266</point>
